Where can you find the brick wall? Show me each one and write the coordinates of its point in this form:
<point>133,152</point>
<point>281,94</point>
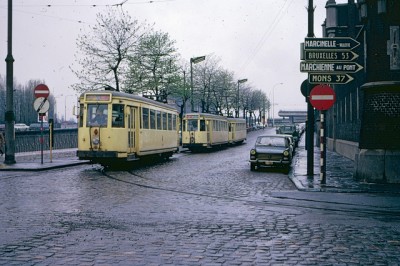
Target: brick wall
<point>380,128</point>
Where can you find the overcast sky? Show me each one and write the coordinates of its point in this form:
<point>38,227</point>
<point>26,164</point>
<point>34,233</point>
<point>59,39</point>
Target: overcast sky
<point>256,39</point>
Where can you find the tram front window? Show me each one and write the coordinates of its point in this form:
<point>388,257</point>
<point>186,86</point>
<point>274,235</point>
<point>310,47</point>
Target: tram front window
<point>97,115</point>
<point>192,125</point>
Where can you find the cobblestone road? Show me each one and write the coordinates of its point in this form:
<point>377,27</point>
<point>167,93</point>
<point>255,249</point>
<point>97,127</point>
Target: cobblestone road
<point>196,209</point>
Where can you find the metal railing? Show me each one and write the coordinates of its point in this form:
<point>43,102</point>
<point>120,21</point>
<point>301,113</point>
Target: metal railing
<point>30,140</point>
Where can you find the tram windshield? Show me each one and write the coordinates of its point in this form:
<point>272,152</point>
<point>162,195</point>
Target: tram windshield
<point>97,115</point>
<point>192,124</point>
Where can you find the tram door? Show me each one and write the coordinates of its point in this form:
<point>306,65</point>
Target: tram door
<point>132,111</point>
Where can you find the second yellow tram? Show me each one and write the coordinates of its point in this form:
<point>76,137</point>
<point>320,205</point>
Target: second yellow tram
<point>203,131</point>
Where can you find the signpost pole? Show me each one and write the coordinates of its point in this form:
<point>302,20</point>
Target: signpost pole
<point>310,108</point>
<point>322,97</point>
<point>41,105</point>
<point>41,138</point>
<point>323,148</point>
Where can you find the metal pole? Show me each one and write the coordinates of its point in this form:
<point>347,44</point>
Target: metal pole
<point>273,106</point>
<point>323,148</point>
<point>310,108</point>
<point>237,101</point>
<point>9,115</point>
<point>41,137</point>
<point>191,85</point>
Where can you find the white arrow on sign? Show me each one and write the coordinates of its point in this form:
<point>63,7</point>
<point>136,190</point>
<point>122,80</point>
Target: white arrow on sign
<point>323,67</point>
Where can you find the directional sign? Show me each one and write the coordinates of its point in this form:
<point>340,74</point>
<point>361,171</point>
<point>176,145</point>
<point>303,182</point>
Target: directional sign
<point>322,97</point>
<point>330,44</point>
<point>330,56</point>
<point>41,105</point>
<point>321,67</point>
<point>335,78</point>
<point>41,90</point>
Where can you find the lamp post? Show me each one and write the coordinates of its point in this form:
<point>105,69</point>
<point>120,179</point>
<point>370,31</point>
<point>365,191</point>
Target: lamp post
<point>65,106</point>
<point>193,60</point>
<point>9,114</point>
<point>237,102</point>
<point>273,103</point>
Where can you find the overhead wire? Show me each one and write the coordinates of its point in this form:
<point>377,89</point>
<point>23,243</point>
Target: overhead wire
<point>266,35</point>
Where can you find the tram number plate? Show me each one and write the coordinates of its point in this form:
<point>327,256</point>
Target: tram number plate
<point>268,163</point>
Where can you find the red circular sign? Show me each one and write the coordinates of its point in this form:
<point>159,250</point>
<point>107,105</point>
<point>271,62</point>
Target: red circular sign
<point>322,97</point>
<point>41,90</point>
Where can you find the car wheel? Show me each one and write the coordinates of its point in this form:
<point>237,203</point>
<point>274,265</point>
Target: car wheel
<point>252,166</point>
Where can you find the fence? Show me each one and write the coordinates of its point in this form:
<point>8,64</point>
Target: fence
<point>30,140</point>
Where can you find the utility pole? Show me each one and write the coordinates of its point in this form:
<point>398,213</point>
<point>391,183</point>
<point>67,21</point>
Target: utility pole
<point>310,108</point>
<point>9,115</point>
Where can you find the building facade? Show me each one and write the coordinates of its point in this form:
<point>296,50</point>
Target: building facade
<point>364,123</point>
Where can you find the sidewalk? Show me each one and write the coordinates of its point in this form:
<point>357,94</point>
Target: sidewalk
<point>32,161</point>
<point>339,174</point>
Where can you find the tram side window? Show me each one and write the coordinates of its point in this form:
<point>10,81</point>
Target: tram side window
<point>152,119</point>
<point>118,115</point>
<point>158,119</point>
<point>145,116</point>
<point>173,122</point>
<point>97,115</point>
<point>164,120</point>
<point>169,121</point>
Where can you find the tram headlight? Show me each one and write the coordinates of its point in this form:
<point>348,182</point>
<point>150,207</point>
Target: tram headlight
<point>96,141</point>
<point>286,153</point>
<point>253,152</point>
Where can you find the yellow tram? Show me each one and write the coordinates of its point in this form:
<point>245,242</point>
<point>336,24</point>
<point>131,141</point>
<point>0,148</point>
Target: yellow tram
<point>237,130</point>
<point>202,131</point>
<point>116,126</point>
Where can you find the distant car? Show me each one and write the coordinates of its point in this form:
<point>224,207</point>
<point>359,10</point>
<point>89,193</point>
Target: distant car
<point>271,151</point>
<point>21,127</point>
<point>37,126</point>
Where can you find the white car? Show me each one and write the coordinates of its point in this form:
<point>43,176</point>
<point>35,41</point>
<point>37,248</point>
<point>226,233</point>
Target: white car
<point>21,127</point>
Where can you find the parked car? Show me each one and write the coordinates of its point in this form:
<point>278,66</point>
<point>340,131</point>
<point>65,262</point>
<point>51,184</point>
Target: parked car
<point>21,127</point>
<point>291,141</point>
<point>289,130</point>
<point>271,151</point>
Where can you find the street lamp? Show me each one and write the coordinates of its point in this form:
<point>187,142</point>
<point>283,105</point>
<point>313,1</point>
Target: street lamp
<point>273,103</point>
<point>193,60</point>
<point>237,102</point>
<point>65,105</point>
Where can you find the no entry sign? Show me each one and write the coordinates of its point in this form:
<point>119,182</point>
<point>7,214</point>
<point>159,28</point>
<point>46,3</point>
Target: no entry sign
<point>322,97</point>
<point>41,90</point>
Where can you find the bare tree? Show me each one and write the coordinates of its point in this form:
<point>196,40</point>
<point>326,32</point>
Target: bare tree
<point>106,48</point>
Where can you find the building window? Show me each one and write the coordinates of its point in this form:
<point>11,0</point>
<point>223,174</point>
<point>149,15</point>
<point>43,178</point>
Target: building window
<point>381,6</point>
<point>363,9</point>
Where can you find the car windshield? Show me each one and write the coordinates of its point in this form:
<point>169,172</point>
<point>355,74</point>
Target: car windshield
<point>271,141</point>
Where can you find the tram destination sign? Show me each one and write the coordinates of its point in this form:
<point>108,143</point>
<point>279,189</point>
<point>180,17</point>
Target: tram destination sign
<point>334,78</point>
<point>328,56</point>
<point>324,67</point>
<point>330,44</point>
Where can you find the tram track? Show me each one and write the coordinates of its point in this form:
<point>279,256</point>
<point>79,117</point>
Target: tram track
<point>278,201</point>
